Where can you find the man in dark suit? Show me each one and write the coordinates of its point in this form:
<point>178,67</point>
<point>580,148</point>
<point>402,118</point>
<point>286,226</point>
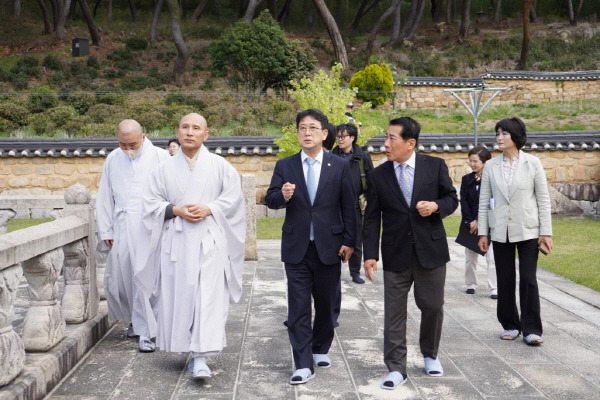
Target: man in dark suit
<point>319,230</point>
<point>410,194</point>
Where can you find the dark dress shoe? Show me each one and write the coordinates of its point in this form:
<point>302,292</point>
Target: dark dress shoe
<point>470,291</point>
<point>285,323</point>
<point>357,279</point>
<point>494,296</point>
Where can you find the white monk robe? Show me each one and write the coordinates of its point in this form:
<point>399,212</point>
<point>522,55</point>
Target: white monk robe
<point>199,264</point>
<point>119,216</point>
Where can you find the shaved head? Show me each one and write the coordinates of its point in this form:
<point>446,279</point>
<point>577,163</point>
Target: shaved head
<point>130,134</point>
<point>128,127</point>
<point>192,132</point>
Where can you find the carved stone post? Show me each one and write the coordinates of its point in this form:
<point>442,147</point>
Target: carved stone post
<point>76,273</point>
<point>44,324</point>
<point>249,192</point>
<point>12,351</point>
<point>80,298</point>
<point>101,257</point>
<point>5,216</point>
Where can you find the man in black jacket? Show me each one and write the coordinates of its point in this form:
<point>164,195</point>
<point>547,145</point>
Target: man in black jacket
<point>360,166</point>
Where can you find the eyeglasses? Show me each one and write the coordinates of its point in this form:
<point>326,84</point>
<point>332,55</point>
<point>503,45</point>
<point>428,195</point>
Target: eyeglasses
<point>342,137</point>
<point>311,129</point>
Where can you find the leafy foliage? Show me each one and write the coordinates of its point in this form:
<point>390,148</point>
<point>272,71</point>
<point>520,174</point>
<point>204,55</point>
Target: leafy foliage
<point>136,43</point>
<point>42,98</point>
<point>374,83</point>
<point>258,56</point>
<point>324,92</point>
<point>12,115</point>
<point>52,62</point>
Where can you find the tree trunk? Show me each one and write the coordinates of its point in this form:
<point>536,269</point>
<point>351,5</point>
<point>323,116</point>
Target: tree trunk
<point>133,10</point>
<point>497,11</point>
<point>448,11</point>
<point>73,10</point>
<point>199,10</point>
<point>522,65</point>
<point>334,32</point>
<point>284,10</point>
<point>109,16</point>
<point>436,10</point>
<point>465,20</point>
<point>415,24</point>
<point>182,50</point>
<point>251,10</point>
<point>571,13</point>
<point>96,7</point>
<point>362,11</point>
<point>17,9</point>
<point>54,6</point>
<point>386,14</point>
<point>60,20</point>
<point>44,9</point>
<point>272,7</point>
<point>578,11</point>
<point>89,20</point>
<point>397,24</point>
<point>155,15</point>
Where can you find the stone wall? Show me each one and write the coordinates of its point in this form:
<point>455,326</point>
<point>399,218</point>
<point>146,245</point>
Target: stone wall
<point>522,91</point>
<point>54,175</point>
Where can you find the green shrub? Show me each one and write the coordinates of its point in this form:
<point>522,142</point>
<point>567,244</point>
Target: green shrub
<point>218,116</point>
<point>19,81</point>
<point>109,97</point>
<point>13,114</point>
<point>41,125</point>
<point>27,62</point>
<point>136,43</point>
<point>374,83</point>
<point>52,62</point>
<point>111,73</point>
<point>122,59</point>
<point>76,68</point>
<point>132,83</point>
<point>106,113</point>
<point>96,130</point>
<point>242,130</point>
<point>93,62</point>
<point>176,112</point>
<point>57,78</point>
<point>42,98</point>
<point>185,100</point>
<point>61,115</point>
<point>81,101</point>
<point>153,118</point>
<point>75,126</point>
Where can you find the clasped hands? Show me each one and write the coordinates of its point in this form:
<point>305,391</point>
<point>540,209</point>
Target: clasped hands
<point>192,212</point>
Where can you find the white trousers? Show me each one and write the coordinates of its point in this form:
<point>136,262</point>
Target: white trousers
<point>471,259</point>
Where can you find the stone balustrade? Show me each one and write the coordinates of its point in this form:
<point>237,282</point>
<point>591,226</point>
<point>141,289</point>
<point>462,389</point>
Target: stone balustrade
<point>39,253</point>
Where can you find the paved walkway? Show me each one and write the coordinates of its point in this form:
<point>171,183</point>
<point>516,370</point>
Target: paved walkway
<point>258,362</point>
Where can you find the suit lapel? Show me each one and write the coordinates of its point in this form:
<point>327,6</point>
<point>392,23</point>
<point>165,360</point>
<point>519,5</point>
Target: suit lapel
<point>518,173</point>
<point>392,180</point>
<point>299,176</point>
<point>499,176</point>
<point>324,177</point>
<point>421,167</point>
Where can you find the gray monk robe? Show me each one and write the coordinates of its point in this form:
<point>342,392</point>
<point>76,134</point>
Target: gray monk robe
<point>194,268</point>
<point>119,215</point>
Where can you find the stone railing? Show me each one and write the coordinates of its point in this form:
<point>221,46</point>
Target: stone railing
<point>40,254</point>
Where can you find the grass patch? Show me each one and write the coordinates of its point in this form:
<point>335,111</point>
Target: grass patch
<point>16,224</point>
<point>575,256</point>
<point>576,252</point>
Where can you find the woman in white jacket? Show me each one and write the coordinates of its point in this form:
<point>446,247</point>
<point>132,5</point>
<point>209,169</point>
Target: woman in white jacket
<point>514,205</point>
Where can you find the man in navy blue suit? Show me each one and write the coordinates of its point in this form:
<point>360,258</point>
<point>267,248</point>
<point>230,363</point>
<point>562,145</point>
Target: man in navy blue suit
<point>319,231</point>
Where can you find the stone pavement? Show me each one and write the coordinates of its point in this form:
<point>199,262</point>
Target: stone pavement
<point>257,363</point>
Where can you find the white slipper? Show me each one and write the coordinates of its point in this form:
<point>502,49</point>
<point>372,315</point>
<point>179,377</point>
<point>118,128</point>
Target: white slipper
<point>322,360</point>
<point>301,375</point>
<point>433,367</point>
<point>200,369</point>
<point>146,345</point>
<point>393,380</point>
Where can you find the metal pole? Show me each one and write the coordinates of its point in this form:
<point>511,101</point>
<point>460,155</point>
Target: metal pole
<point>475,127</point>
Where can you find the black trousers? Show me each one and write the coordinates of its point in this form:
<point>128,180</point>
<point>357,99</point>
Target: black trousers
<point>429,297</point>
<point>311,278</point>
<point>354,265</point>
<point>508,314</point>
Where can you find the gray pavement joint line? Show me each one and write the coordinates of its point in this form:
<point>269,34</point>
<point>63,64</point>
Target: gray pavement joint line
<point>113,394</point>
<point>347,365</point>
<point>79,363</point>
<point>244,335</point>
<point>495,353</point>
<point>182,374</point>
<point>574,297</point>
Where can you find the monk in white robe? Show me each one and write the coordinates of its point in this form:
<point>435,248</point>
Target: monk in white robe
<point>194,218</point>
<point>119,215</point>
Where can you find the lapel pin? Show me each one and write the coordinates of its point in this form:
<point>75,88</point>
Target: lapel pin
<point>329,164</point>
